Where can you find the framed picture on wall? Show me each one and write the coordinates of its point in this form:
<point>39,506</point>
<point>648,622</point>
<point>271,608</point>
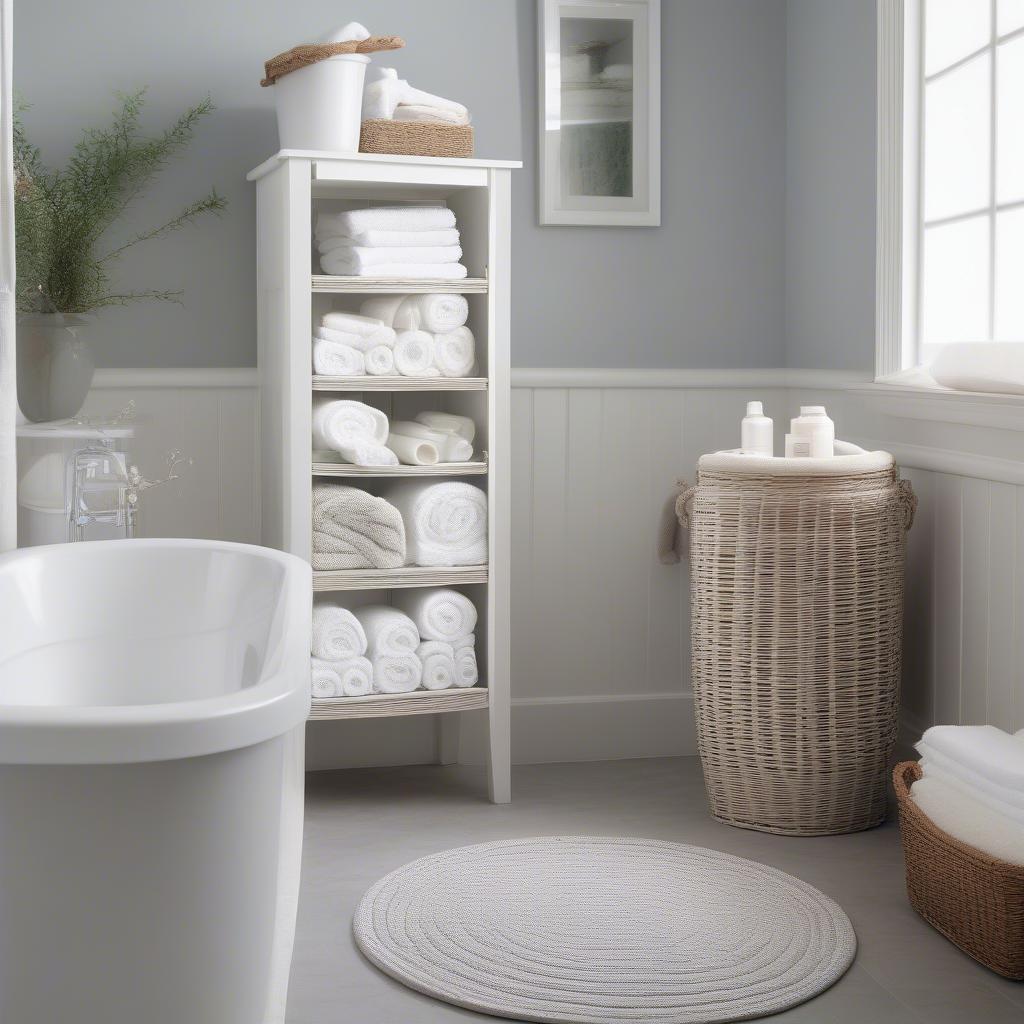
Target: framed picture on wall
<point>600,112</point>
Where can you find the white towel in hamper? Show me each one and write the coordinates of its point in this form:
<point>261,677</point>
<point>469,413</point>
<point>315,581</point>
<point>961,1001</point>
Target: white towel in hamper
<point>982,750</point>
<point>438,661</point>
<point>388,630</point>
<point>355,530</point>
<point>396,673</point>
<point>445,523</point>
<point>439,614</point>
<point>449,422</point>
<point>466,671</point>
<point>324,681</point>
<point>337,633</point>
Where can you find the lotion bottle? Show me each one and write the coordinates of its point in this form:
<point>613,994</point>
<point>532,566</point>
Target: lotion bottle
<point>812,434</point>
<point>757,436</point>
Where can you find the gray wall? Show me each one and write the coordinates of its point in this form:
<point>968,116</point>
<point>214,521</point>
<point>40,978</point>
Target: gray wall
<point>705,289</point>
<point>830,184</point>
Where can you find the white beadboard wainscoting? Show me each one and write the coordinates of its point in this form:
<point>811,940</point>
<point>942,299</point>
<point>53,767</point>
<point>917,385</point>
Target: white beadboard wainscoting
<point>600,630</point>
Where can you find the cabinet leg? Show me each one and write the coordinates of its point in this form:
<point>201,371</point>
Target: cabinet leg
<point>499,753</point>
<point>446,730</point>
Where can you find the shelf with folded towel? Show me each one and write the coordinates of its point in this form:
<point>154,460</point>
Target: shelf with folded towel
<point>367,383</point>
<point>328,467</point>
<point>387,705</point>
<point>404,576</point>
<point>328,283</point>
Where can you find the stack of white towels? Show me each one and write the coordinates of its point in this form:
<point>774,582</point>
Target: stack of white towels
<point>409,242</point>
<point>415,523</point>
<point>426,642</point>
<point>388,97</point>
<point>972,787</point>
<point>364,436</point>
<point>407,335</point>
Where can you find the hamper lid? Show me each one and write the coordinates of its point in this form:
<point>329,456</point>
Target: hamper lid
<point>310,53</point>
<point>848,460</point>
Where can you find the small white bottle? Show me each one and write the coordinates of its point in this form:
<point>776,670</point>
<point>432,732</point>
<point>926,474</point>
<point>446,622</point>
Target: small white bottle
<point>812,434</point>
<point>757,432</point>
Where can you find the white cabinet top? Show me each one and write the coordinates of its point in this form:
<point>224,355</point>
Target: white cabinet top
<point>373,158</point>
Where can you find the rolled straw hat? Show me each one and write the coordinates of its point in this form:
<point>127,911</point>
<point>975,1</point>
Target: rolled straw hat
<point>309,53</point>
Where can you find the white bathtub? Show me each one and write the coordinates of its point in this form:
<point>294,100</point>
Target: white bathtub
<point>153,695</point>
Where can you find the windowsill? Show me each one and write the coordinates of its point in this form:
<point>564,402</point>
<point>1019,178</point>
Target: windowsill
<point>970,408</point>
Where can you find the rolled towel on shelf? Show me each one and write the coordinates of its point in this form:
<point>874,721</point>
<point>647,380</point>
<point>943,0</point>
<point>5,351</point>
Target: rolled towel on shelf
<point>383,335</point>
<point>333,359</point>
<point>355,530</point>
<point>414,353</point>
<point>341,421</point>
<point>414,451</point>
<point>455,352</point>
<point>382,307</point>
<point>324,681</point>
<point>467,672</point>
<point>441,614</point>
<point>355,676</point>
<point>367,453</point>
<point>380,361</point>
<point>438,661</point>
<point>384,218</point>
<point>396,673</point>
<point>388,630</point>
<point>445,523</point>
<point>337,633</point>
<point>436,312</point>
<point>449,422</point>
<point>451,447</point>
<point>970,821</point>
<point>390,240</point>
<point>335,264</point>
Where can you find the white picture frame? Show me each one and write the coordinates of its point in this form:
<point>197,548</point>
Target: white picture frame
<point>599,130</point>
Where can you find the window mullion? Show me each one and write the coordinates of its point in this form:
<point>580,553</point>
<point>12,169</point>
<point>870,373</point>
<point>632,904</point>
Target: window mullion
<point>992,154</point>
<point>918,281</point>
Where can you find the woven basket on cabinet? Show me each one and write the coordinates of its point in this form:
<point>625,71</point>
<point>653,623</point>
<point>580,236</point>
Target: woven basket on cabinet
<point>796,632</point>
<point>973,899</point>
<point>416,138</point>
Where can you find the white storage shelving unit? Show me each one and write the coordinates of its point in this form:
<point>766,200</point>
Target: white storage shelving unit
<point>291,187</point>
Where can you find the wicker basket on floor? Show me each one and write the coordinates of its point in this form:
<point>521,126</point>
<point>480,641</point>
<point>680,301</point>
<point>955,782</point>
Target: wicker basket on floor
<point>976,901</point>
<point>796,581</point>
<point>416,138</point>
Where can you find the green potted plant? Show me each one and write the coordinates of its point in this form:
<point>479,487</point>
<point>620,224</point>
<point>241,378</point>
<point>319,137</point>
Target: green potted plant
<point>63,269</point>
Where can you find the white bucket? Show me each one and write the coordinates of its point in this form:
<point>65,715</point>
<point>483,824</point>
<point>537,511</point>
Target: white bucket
<point>320,106</point>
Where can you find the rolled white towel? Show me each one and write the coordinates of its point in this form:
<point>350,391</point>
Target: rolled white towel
<point>382,307</point>
<point>384,218</point>
<point>334,263</point>
<point>333,359</point>
<point>396,673</point>
<point>445,523</point>
<point>340,421</point>
<point>324,681</point>
<point>388,630</point>
<point>441,614</point>
<point>467,673</point>
<point>449,422</point>
<point>414,353</point>
<point>971,822</point>
<point>337,633</point>
<point>375,332</point>
<point>380,361</point>
<point>438,661</point>
<point>376,239</point>
<point>435,312</point>
<point>355,676</point>
<point>367,453</point>
<point>384,335</point>
<point>451,447</point>
<point>455,352</point>
<point>414,451</point>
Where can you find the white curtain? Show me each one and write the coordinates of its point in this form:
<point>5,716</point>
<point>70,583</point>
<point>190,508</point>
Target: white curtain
<point>8,393</point>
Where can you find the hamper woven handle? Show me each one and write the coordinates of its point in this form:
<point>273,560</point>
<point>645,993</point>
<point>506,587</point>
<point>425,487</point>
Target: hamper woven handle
<point>904,775</point>
<point>908,502</point>
<point>683,505</point>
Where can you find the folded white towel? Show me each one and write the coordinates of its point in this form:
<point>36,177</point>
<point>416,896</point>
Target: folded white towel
<point>445,523</point>
<point>435,312</point>
<point>332,359</point>
<point>981,795</point>
<point>451,447</point>
<point>333,263</point>
<point>934,762</point>
<point>417,97</point>
<point>383,335</point>
<point>337,633</point>
<point>388,630</point>
<point>438,661</point>
<point>384,218</point>
<point>455,352</point>
<point>361,257</point>
<point>338,422</point>
<point>390,239</point>
<point>383,91</point>
<point>396,673</point>
<point>421,114</point>
<point>983,749</point>
<point>414,353</point>
<point>467,673</point>
<point>355,530</point>
<point>380,361</point>
<point>376,332</point>
<point>441,614</point>
<point>382,307</point>
<point>449,422</point>
<point>324,682</point>
<point>414,451</point>
<point>969,820</point>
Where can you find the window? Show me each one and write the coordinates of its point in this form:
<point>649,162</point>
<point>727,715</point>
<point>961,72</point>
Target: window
<point>951,176</point>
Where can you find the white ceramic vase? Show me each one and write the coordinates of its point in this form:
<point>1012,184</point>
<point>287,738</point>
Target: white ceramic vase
<point>55,366</point>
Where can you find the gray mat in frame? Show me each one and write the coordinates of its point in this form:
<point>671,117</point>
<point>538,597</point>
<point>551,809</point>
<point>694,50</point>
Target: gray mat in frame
<point>583,930</point>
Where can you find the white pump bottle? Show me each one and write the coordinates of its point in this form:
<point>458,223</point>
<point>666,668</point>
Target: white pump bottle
<point>757,436</point>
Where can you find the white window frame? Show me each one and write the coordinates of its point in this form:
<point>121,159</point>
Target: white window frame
<point>900,215</point>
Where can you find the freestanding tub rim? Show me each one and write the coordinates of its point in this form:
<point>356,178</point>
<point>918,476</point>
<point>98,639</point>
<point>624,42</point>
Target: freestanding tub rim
<point>124,734</point>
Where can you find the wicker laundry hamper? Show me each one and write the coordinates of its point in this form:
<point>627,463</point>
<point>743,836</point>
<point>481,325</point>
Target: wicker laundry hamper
<point>796,630</point>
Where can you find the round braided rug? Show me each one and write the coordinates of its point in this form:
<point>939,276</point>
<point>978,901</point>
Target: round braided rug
<point>595,930</point>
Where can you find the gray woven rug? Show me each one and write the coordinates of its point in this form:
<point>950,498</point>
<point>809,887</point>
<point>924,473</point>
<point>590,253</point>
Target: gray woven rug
<point>577,929</point>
